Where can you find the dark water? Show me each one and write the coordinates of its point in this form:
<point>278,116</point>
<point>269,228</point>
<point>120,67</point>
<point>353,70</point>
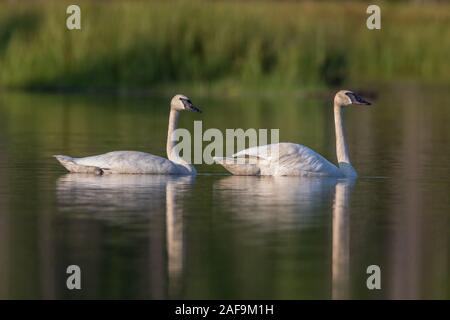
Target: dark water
<point>219,236</point>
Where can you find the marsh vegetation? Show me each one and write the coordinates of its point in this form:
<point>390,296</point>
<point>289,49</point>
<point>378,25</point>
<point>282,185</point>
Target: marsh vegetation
<point>220,45</point>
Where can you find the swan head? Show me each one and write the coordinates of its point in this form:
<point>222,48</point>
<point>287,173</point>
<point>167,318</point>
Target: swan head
<point>181,103</point>
<point>346,98</point>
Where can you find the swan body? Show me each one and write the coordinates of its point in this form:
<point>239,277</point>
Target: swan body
<point>280,159</point>
<point>135,162</point>
<point>127,162</point>
<point>290,159</point>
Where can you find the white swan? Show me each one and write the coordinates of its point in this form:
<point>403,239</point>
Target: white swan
<point>135,162</point>
<point>289,159</point>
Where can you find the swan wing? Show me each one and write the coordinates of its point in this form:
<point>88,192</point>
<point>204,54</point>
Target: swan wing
<point>290,159</point>
<point>130,162</point>
<point>261,152</point>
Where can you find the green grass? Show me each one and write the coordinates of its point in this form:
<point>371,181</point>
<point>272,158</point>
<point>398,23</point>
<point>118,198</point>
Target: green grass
<point>220,44</point>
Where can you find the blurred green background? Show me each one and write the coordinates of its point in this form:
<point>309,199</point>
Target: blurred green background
<point>224,46</point>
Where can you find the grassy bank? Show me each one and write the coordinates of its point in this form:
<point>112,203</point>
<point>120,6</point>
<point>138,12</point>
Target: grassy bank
<point>226,45</point>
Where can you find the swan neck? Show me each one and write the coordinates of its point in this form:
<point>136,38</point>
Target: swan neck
<point>173,124</point>
<point>341,143</point>
<point>172,153</point>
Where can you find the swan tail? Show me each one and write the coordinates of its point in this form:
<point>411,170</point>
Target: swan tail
<point>238,166</point>
<point>70,164</point>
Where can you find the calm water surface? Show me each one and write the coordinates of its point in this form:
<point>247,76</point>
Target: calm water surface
<point>220,236</point>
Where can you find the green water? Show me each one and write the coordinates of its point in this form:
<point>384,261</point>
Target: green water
<point>219,236</point>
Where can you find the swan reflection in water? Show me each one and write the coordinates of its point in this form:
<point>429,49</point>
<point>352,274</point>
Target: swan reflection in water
<point>288,202</point>
<point>119,198</point>
<point>269,202</point>
<point>341,241</point>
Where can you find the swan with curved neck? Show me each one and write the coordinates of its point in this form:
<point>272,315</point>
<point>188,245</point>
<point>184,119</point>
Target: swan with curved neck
<point>135,162</point>
<point>289,159</point>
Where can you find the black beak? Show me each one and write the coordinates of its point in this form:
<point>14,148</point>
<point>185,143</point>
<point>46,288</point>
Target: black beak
<point>195,109</point>
<point>357,99</point>
<point>189,106</point>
